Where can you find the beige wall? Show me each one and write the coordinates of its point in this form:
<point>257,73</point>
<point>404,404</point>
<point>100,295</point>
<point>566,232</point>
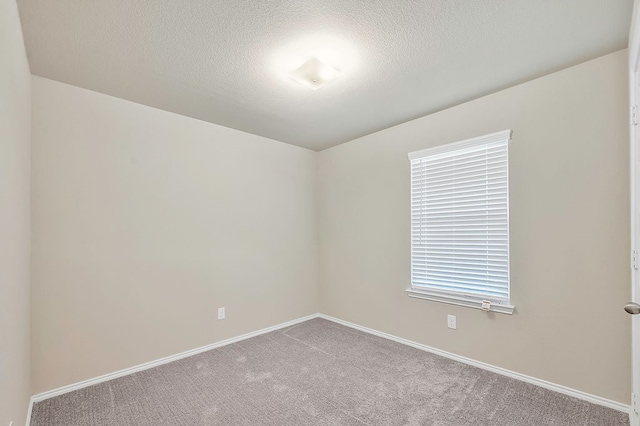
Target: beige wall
<point>145,222</point>
<point>569,218</point>
<point>15,227</point>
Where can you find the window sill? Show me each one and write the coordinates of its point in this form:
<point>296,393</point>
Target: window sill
<point>458,300</point>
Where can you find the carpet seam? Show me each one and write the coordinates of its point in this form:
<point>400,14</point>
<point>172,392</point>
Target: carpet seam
<point>312,347</point>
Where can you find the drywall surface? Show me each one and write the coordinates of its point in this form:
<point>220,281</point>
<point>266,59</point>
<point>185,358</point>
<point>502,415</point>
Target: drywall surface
<point>228,62</point>
<point>569,230</point>
<point>15,221</point>
<point>145,222</point>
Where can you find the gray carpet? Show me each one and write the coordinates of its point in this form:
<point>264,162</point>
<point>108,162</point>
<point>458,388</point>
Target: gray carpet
<point>318,373</point>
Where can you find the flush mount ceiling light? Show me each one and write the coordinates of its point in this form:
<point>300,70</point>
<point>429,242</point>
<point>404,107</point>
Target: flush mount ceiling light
<point>314,73</point>
<point>319,57</point>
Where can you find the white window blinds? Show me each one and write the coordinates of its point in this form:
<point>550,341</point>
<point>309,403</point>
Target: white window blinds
<point>460,218</point>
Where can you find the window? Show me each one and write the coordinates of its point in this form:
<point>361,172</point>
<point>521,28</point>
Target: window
<point>460,223</point>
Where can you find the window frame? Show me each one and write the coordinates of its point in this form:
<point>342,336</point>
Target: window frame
<point>453,296</point>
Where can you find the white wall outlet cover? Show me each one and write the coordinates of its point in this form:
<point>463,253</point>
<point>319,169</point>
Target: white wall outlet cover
<point>221,313</point>
<point>451,321</point>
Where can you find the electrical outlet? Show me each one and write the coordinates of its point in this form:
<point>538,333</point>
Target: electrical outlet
<point>221,313</point>
<point>451,321</point>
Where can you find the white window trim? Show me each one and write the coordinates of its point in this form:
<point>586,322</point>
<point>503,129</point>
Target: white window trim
<point>454,299</point>
<point>459,298</point>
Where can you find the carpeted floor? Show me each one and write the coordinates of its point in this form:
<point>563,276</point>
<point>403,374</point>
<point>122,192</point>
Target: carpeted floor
<point>318,373</point>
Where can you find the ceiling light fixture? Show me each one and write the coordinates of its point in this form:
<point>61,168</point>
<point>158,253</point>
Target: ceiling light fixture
<point>314,73</point>
<point>319,57</point>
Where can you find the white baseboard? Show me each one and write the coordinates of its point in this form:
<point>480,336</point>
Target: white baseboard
<point>75,386</point>
<point>28,423</point>
<point>528,379</point>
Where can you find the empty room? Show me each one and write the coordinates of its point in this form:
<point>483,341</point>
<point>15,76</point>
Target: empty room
<point>293,213</point>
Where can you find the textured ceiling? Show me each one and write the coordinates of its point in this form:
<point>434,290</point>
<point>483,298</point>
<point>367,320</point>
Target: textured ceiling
<point>226,61</point>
